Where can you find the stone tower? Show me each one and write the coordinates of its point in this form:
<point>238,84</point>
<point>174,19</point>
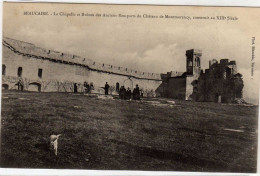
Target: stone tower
<point>193,58</point>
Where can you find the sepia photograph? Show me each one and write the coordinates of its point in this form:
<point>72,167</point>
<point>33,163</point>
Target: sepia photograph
<point>130,87</point>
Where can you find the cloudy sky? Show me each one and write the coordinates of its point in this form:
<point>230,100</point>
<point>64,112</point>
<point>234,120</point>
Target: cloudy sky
<point>147,44</point>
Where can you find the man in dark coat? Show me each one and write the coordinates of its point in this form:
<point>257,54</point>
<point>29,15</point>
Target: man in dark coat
<point>120,92</point>
<point>134,94</point>
<point>106,88</point>
<point>117,87</point>
<point>128,94</point>
<point>85,87</point>
<point>75,88</point>
<point>137,92</point>
<point>91,87</point>
<point>123,93</point>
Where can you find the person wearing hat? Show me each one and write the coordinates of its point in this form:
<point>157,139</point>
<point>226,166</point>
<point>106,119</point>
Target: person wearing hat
<point>137,92</point>
<point>106,88</point>
<point>128,94</point>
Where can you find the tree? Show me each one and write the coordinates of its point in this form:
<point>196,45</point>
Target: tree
<point>112,89</point>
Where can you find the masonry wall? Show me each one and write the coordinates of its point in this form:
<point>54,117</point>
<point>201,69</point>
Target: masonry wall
<point>60,76</point>
<point>190,85</point>
<point>31,49</point>
<point>177,87</point>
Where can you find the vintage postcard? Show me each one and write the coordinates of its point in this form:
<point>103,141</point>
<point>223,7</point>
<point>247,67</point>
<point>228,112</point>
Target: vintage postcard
<point>130,87</point>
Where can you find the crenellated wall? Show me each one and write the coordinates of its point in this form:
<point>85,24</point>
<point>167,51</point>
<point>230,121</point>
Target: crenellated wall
<point>60,71</point>
<point>31,49</point>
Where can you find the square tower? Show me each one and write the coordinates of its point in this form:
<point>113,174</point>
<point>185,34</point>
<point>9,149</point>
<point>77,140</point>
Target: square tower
<point>193,58</point>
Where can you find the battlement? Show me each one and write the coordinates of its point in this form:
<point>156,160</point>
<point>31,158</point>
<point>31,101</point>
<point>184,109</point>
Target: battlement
<point>224,61</point>
<point>232,63</point>
<point>212,62</point>
<point>194,52</point>
<point>174,74</point>
<point>224,65</point>
<point>31,50</point>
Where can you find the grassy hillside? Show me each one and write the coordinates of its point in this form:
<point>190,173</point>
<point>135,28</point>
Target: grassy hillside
<point>112,134</point>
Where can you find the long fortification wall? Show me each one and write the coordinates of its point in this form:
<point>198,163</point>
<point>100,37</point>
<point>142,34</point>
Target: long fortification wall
<point>32,50</point>
<point>60,71</point>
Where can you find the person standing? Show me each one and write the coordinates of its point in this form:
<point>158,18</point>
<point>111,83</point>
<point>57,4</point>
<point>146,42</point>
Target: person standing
<point>20,84</point>
<point>128,94</point>
<point>75,88</point>
<point>134,94</point>
<point>106,88</point>
<point>120,92</point>
<point>137,92</point>
<point>123,93</point>
<point>142,93</point>
<point>117,87</point>
<point>91,87</point>
<point>85,87</point>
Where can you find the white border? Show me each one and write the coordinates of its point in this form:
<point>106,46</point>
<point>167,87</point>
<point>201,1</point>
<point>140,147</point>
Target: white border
<point>244,3</point>
<point>234,3</point>
<point>38,172</point>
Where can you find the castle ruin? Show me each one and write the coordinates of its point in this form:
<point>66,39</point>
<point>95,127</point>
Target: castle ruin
<point>52,71</point>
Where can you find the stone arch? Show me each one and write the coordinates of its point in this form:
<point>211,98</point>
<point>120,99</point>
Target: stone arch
<point>34,86</point>
<point>5,86</point>
<point>128,83</point>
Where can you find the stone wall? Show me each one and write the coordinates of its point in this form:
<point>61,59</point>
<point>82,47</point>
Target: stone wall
<point>60,71</point>
<point>181,87</point>
<point>32,50</point>
<point>176,87</point>
<point>191,82</point>
<point>220,83</point>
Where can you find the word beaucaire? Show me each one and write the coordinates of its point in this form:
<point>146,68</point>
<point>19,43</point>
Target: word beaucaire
<point>35,13</point>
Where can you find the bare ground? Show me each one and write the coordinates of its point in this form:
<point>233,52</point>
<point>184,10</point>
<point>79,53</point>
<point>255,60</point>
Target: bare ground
<point>122,135</point>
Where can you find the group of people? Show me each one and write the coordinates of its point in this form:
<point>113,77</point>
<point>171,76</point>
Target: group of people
<point>87,87</point>
<point>124,94</point>
<point>127,94</point>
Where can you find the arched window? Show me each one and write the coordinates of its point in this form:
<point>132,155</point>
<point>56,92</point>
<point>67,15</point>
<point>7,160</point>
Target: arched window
<point>198,61</point>
<point>3,69</point>
<point>40,73</point>
<point>19,72</point>
<point>189,63</point>
<point>195,62</point>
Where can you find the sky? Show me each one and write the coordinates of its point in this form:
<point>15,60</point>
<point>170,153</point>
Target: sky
<point>155,45</point>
